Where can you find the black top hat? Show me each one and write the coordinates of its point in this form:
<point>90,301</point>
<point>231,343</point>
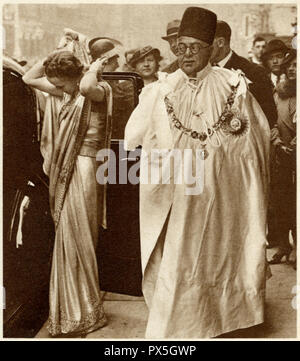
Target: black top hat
<point>172,29</point>
<point>198,23</point>
<point>274,45</point>
<point>142,52</point>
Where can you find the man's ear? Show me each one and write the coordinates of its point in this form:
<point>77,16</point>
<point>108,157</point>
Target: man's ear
<point>220,42</point>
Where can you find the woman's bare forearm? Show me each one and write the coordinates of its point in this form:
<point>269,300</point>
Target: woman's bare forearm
<point>36,72</point>
<point>89,87</point>
<point>35,77</point>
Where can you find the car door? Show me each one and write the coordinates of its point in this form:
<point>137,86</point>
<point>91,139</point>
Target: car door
<point>28,232</point>
<point>118,251</point>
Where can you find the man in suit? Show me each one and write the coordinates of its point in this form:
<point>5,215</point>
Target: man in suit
<point>260,85</point>
<point>258,48</point>
<point>273,58</point>
<point>171,38</point>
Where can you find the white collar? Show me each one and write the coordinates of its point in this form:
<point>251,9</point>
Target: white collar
<point>200,75</point>
<point>256,61</point>
<point>222,62</point>
<point>274,78</point>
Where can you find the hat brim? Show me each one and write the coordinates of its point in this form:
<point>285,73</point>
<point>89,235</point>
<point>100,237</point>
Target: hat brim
<point>114,41</point>
<point>267,53</point>
<point>167,37</point>
<point>159,57</point>
<point>109,55</point>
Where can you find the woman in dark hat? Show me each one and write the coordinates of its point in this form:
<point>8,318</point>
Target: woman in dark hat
<point>284,140</point>
<point>145,61</point>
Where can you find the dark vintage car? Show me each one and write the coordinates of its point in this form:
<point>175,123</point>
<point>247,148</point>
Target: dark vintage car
<point>28,231</point>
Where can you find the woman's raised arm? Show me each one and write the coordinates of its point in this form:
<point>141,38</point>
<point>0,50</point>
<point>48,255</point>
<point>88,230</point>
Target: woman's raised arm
<point>35,77</point>
<point>89,87</point>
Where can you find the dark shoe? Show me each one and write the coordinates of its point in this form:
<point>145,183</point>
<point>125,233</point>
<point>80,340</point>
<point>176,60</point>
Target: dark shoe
<point>269,246</point>
<point>277,258</point>
<point>271,243</point>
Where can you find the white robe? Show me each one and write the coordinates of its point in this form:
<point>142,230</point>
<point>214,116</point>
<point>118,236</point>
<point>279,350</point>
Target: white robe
<point>203,256</point>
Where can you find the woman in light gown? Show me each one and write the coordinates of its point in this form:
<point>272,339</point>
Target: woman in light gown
<point>76,125</point>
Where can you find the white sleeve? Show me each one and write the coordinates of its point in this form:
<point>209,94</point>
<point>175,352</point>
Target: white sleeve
<point>140,119</point>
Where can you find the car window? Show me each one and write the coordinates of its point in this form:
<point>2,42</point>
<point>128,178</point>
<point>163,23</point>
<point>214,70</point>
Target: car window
<point>123,105</point>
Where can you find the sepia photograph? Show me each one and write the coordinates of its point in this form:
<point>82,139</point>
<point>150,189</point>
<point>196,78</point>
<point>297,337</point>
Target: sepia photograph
<point>149,172</point>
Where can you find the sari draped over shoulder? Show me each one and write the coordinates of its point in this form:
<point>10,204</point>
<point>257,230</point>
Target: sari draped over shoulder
<point>74,130</point>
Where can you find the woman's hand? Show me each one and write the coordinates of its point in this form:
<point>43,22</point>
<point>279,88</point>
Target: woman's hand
<point>98,65</point>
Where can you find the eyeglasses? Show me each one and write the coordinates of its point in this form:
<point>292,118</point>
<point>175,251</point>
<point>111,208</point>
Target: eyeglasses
<point>194,48</point>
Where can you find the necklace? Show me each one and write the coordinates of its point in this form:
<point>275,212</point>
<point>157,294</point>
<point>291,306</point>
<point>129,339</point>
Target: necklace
<point>229,121</point>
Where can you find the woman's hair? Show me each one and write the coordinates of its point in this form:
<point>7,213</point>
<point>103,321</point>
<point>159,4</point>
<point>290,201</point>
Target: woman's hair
<point>284,66</point>
<point>63,64</point>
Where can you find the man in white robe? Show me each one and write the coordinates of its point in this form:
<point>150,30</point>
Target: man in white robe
<point>202,245</point>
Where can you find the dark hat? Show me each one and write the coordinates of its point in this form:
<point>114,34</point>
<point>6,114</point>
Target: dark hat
<point>289,56</point>
<point>142,52</point>
<point>114,41</point>
<point>102,47</point>
<point>223,30</point>
<point>274,45</point>
<point>172,29</point>
<point>198,23</point>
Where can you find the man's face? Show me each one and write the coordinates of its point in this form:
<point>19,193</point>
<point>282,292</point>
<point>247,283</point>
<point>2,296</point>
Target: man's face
<point>216,54</point>
<point>173,44</point>
<point>259,48</point>
<point>189,61</point>
<point>274,61</point>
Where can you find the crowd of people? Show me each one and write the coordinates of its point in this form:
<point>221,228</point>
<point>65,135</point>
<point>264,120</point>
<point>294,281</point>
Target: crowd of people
<point>203,256</point>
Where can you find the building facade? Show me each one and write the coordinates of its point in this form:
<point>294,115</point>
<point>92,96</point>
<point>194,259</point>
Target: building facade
<point>33,30</point>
